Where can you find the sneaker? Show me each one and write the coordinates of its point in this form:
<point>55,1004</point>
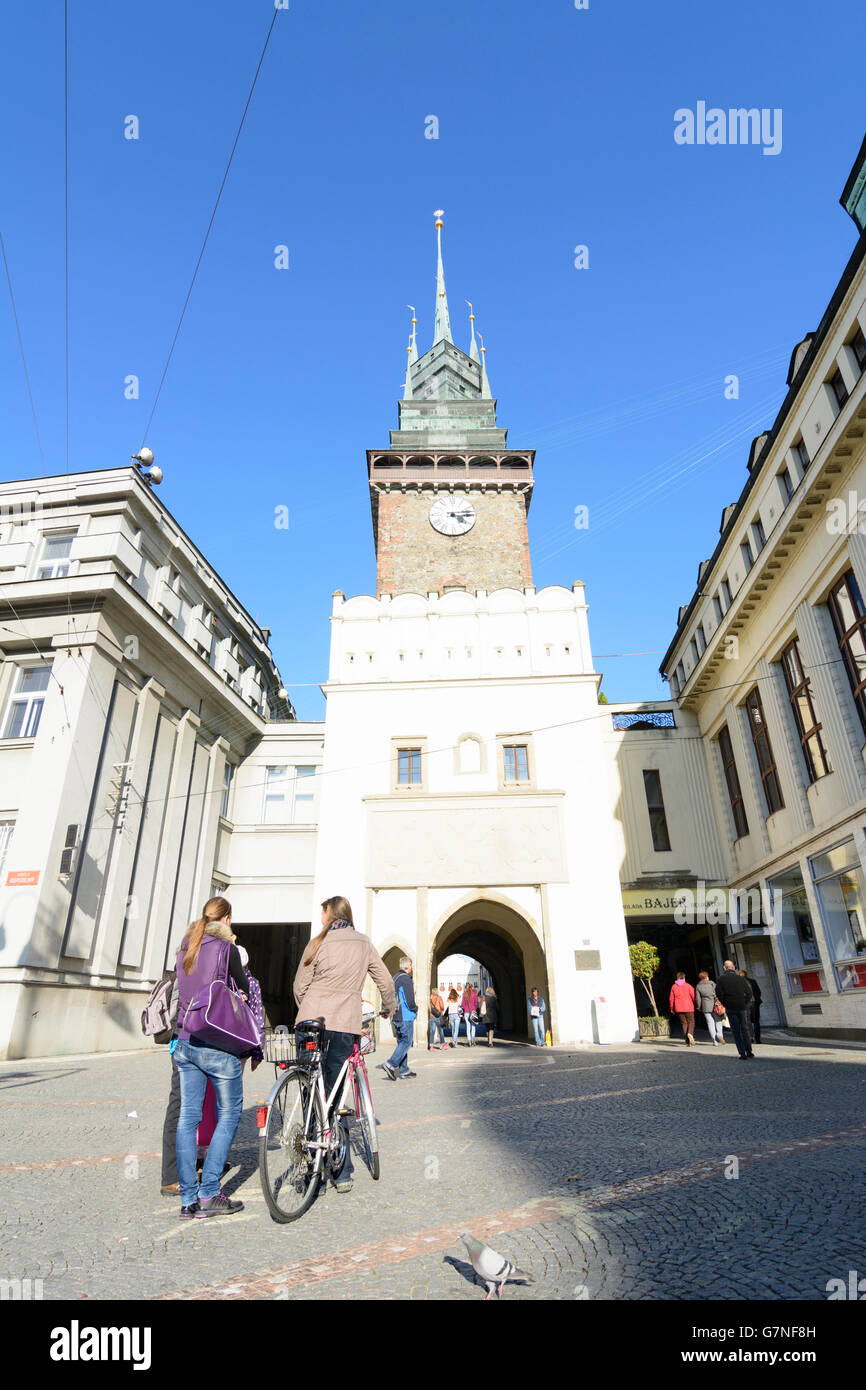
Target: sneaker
<point>403,1074</point>
<point>389,1071</point>
<point>220,1205</point>
<point>691,1039</point>
<point>171,1189</point>
<point>343,1185</point>
<point>187,1213</point>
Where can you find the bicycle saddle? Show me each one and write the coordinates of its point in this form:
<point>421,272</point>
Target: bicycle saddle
<point>311,1023</point>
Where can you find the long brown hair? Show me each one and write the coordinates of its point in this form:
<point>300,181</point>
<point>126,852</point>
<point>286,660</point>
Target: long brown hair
<point>214,910</point>
<point>336,910</point>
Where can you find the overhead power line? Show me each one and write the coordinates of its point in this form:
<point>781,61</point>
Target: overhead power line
<point>21,347</point>
<point>209,226</point>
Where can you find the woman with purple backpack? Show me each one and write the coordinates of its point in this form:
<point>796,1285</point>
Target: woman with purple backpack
<point>201,960</point>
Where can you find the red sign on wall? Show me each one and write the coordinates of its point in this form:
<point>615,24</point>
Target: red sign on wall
<point>17,878</point>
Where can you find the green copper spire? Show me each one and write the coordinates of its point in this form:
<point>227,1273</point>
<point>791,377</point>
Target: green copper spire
<point>473,346</point>
<point>442,332</point>
<point>486,393</point>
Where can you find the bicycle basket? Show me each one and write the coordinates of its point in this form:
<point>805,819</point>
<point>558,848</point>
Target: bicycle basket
<point>279,1045</point>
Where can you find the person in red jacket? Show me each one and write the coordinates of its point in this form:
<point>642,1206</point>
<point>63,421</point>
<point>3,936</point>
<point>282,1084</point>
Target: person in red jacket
<point>683,1005</point>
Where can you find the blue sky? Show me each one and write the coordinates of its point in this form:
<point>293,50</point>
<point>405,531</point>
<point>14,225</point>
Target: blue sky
<point>555,130</point>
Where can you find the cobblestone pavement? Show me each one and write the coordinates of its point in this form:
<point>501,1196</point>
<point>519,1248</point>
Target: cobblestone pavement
<point>608,1173</point>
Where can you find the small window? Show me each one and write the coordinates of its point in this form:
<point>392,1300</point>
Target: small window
<point>701,639</point>
<point>693,652</point>
<point>802,454</point>
<point>838,388</point>
<point>858,347</point>
<point>276,796</point>
<point>785,483</point>
<point>54,560</point>
<point>656,807</point>
<point>228,774</point>
<point>725,591</point>
<point>25,707</point>
<point>305,794</point>
<point>516,762</point>
<point>717,609</point>
<point>6,828</point>
<point>758,535</point>
<point>409,767</point>
<point>681,675</point>
<point>746,552</point>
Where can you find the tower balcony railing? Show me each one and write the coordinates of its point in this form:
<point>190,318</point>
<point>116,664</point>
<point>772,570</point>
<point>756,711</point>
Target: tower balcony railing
<point>441,467</point>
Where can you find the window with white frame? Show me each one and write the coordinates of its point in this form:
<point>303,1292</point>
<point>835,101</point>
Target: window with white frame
<point>54,555</point>
<point>305,795</point>
<point>25,705</point>
<point>515,758</point>
<point>277,793</point>
<point>6,828</point>
<point>793,922</point>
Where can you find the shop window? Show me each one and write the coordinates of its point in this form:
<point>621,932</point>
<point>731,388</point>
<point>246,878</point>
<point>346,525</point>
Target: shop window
<point>793,922</point>
<point>838,881</point>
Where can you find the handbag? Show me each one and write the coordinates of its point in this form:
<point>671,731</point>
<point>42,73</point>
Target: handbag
<point>219,1017</point>
<point>718,1009</point>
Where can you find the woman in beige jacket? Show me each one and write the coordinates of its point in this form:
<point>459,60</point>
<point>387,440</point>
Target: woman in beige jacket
<point>329,985</point>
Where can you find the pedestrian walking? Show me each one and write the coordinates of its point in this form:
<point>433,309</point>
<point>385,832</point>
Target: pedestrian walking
<point>405,1013</point>
<point>682,1003</point>
<point>490,1012</point>
<point>201,960</point>
<point>437,1016</point>
<point>537,1009</point>
<point>453,1006</point>
<point>170,1186</point>
<point>208,1122</point>
<point>329,984</point>
<point>470,1011</point>
<point>755,1015</point>
<point>707,1004</point>
<point>736,997</point>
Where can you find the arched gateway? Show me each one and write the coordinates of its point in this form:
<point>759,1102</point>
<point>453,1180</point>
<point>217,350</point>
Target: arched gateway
<point>502,939</point>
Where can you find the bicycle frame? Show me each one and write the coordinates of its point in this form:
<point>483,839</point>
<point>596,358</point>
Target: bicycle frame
<point>354,1060</point>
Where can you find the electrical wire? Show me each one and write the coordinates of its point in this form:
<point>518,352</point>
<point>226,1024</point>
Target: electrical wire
<point>209,226</point>
<point>21,348</point>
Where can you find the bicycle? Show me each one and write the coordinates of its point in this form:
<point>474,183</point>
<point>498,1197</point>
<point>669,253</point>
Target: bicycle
<point>301,1134</point>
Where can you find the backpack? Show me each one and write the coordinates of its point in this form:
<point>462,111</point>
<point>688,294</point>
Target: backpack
<point>156,1014</point>
<point>408,1015</point>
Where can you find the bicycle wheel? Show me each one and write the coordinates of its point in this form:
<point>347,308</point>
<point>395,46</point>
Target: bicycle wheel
<point>289,1168</point>
<point>367,1122</point>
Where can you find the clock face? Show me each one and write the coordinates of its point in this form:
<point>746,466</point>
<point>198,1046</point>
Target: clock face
<point>452,516</point>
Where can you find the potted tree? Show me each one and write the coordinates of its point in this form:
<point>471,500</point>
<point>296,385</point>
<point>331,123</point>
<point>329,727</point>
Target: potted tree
<point>644,964</point>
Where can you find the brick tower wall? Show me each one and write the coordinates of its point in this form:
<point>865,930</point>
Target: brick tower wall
<point>412,557</point>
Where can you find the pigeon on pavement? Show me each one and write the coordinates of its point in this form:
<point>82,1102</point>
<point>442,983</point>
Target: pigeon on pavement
<point>493,1268</point>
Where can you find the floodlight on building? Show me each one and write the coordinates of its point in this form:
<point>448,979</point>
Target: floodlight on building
<point>147,470</point>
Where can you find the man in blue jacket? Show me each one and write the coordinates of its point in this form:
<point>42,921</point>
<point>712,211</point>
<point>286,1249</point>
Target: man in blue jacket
<point>404,1022</point>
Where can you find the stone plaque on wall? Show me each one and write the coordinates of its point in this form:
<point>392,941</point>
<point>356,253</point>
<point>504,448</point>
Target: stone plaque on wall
<point>587,960</point>
<point>438,846</point>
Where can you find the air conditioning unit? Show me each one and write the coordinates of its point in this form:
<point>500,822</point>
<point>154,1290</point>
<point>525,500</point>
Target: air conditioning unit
<point>67,858</point>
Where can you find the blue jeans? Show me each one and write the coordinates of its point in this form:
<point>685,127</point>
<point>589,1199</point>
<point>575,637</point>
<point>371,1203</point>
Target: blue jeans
<point>454,1020</point>
<point>538,1030</point>
<point>740,1028</point>
<point>435,1027</point>
<point>401,1051</point>
<point>198,1065</point>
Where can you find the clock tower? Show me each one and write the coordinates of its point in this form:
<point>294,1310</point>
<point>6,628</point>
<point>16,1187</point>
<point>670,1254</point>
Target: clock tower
<point>449,498</point>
